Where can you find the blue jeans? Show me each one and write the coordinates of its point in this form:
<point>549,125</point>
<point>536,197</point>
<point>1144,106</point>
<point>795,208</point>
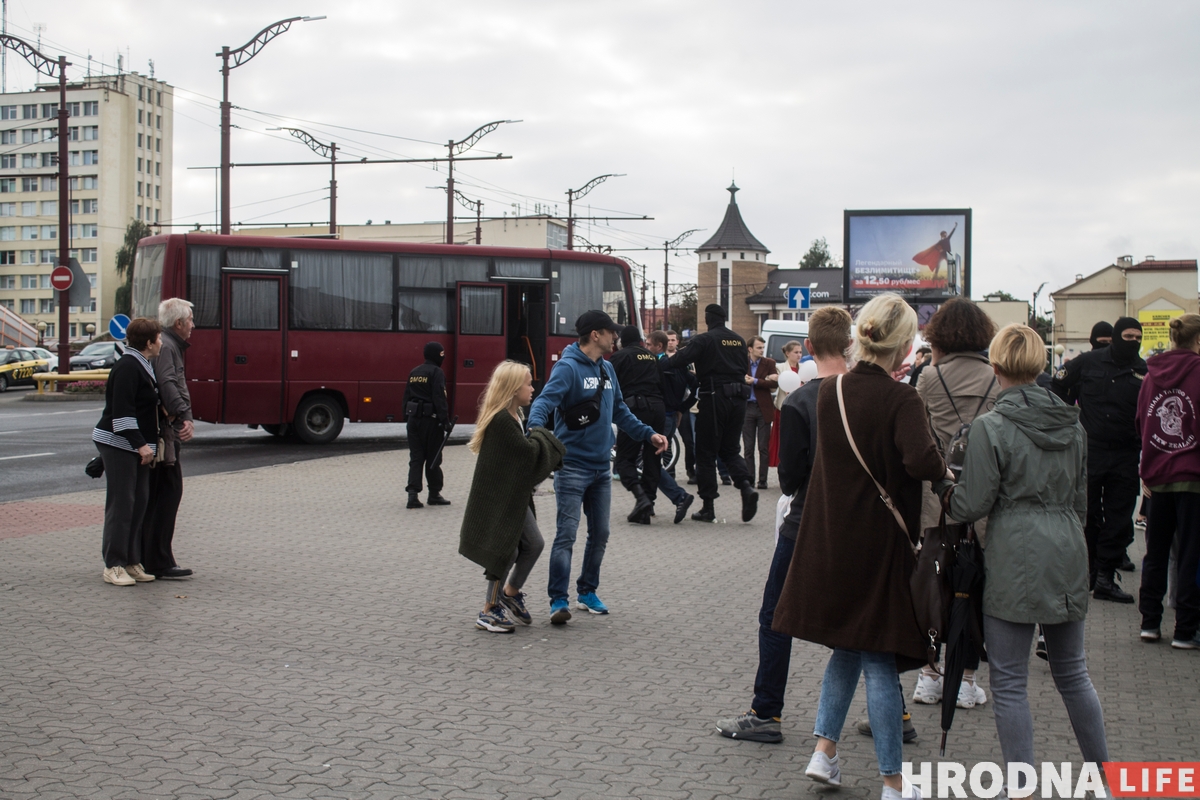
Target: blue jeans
<point>774,649</point>
<point>884,707</point>
<point>590,489</point>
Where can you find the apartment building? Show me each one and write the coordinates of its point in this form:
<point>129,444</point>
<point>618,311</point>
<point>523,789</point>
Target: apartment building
<point>119,170</point>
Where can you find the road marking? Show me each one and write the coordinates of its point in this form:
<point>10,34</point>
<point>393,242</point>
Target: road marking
<point>50,413</point>
<point>27,455</point>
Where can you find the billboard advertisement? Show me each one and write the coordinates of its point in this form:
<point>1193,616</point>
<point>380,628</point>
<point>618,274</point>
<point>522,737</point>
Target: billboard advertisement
<point>922,255</point>
<point>1156,331</point>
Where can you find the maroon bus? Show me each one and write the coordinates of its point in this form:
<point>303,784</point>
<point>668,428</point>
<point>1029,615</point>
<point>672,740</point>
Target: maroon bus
<point>302,334</point>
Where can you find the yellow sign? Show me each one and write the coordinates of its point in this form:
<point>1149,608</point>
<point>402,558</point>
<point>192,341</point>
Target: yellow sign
<point>1156,332</point>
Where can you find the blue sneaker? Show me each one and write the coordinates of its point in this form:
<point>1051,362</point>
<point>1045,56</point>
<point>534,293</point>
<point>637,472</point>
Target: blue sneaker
<point>516,607</point>
<point>560,612</point>
<point>589,602</point>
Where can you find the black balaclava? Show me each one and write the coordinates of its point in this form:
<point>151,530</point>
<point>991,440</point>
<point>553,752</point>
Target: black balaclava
<point>1101,328</point>
<point>1124,352</point>
<point>434,354</point>
<point>630,336</point>
<point>714,315</point>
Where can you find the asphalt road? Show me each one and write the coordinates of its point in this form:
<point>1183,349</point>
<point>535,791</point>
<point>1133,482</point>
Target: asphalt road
<point>44,446</point>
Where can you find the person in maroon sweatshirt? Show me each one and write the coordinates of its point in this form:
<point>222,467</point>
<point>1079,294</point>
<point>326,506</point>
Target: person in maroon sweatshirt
<point>1167,421</point>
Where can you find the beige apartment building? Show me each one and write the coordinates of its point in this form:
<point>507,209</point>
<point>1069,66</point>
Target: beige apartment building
<point>119,169</point>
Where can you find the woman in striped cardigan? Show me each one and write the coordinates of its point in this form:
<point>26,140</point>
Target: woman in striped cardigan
<point>127,437</point>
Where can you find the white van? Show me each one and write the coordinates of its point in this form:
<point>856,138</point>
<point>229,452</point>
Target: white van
<point>778,332</point>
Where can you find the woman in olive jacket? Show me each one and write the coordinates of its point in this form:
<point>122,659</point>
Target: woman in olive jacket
<point>1026,471</point>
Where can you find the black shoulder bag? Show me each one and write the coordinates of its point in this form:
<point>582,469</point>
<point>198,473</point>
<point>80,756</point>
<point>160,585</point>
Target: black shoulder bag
<point>581,415</point>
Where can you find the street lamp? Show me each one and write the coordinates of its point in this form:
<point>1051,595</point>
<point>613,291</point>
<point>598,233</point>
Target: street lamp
<point>240,56</point>
<point>55,69</point>
<point>41,326</point>
<point>325,151</point>
<point>575,194</point>
<point>456,149</point>
<point>477,207</point>
<point>91,329</point>
<point>667,247</point>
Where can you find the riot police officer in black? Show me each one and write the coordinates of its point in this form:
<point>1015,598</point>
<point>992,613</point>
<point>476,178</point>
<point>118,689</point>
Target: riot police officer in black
<point>428,416</point>
<point>722,362</point>
<point>640,378</point>
<point>1105,382</point>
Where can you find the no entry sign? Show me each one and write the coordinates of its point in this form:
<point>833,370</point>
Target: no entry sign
<point>61,278</point>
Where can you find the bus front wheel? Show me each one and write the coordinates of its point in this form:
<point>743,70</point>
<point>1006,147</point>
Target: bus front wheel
<point>319,419</point>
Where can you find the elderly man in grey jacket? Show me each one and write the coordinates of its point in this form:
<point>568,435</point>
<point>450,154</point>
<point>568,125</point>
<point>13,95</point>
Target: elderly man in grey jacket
<point>166,479</point>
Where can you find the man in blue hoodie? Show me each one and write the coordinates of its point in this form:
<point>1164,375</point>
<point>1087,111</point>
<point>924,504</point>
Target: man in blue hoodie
<point>582,400</point>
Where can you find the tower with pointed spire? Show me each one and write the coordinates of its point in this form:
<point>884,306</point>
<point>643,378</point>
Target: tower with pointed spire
<point>733,266</point>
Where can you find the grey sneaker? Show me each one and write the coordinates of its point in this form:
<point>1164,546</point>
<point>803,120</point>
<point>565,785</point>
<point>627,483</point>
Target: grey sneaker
<point>752,728</point>
<point>1187,644</point>
<point>823,769</point>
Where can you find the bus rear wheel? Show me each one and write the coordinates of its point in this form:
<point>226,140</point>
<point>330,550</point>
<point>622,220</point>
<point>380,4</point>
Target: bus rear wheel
<point>319,419</point>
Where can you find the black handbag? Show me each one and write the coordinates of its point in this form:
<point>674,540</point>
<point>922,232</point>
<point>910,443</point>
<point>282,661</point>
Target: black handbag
<point>581,415</point>
<point>95,467</point>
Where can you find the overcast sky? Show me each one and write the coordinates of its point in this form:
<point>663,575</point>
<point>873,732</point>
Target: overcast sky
<point>1070,128</point>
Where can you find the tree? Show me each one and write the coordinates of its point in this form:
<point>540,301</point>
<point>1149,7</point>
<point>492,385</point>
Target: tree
<point>134,233</point>
<point>683,314</point>
<point>818,256</point>
<point>1004,296</point>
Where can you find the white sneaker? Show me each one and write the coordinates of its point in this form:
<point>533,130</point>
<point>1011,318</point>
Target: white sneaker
<point>970,695</point>
<point>140,575</point>
<point>117,576</point>
<point>824,769</point>
<point>929,690</point>
<point>910,792</point>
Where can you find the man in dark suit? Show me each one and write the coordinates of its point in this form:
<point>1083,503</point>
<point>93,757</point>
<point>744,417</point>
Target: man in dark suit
<point>762,377</point>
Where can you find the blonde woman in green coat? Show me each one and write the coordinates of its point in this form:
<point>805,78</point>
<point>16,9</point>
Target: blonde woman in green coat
<point>1025,470</point>
<point>499,530</point>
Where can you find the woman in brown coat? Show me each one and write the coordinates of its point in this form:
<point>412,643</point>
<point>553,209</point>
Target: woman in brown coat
<point>848,584</point>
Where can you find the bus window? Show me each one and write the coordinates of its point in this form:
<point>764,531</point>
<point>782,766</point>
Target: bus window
<point>421,272</point>
<point>520,268</point>
<point>254,304</point>
<point>615,301</point>
<point>424,311</point>
<point>147,280</point>
<point>468,270</point>
<point>204,285</point>
<point>333,290</point>
<point>254,258</point>
<point>482,311</point>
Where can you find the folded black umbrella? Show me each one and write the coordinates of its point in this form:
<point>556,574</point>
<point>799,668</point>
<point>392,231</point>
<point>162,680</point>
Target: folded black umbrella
<point>964,634</point>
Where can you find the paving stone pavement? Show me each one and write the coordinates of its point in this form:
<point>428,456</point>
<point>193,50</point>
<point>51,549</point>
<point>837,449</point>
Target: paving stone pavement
<point>326,649</point>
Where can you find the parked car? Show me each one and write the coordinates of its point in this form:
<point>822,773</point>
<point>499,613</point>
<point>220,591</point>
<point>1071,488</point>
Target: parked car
<point>18,366</point>
<point>50,358</point>
<point>98,355</point>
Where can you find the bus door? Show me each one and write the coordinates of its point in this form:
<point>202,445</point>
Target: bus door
<point>479,343</point>
<point>254,342</point>
<point>526,318</point>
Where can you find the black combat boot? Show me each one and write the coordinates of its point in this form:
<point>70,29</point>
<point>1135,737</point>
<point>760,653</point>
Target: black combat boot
<point>414,500</point>
<point>706,513</point>
<point>436,499</point>
<point>749,502</point>
<point>1107,588</point>
<point>682,509</point>
<point>642,506</point>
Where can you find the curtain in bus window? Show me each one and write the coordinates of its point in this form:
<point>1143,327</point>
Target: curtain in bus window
<point>421,273</point>
<point>424,311</point>
<point>204,285</point>
<point>468,270</point>
<point>481,310</point>
<point>341,291</point>
<point>146,292</point>
<point>253,304</point>
<point>614,295</point>
<point>254,258</point>
<point>520,268</point>
<point>578,288</point>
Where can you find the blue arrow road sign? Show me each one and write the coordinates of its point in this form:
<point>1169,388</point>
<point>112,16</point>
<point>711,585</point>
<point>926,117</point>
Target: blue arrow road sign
<point>798,297</point>
<point>117,326</point>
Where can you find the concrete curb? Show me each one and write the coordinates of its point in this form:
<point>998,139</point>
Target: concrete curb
<point>63,397</point>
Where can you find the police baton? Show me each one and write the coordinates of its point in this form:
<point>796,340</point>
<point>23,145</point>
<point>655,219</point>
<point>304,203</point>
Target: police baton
<point>445,439</point>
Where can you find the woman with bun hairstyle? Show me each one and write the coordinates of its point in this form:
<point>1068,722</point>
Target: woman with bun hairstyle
<point>1167,407</point>
<point>848,584</point>
<point>499,529</point>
